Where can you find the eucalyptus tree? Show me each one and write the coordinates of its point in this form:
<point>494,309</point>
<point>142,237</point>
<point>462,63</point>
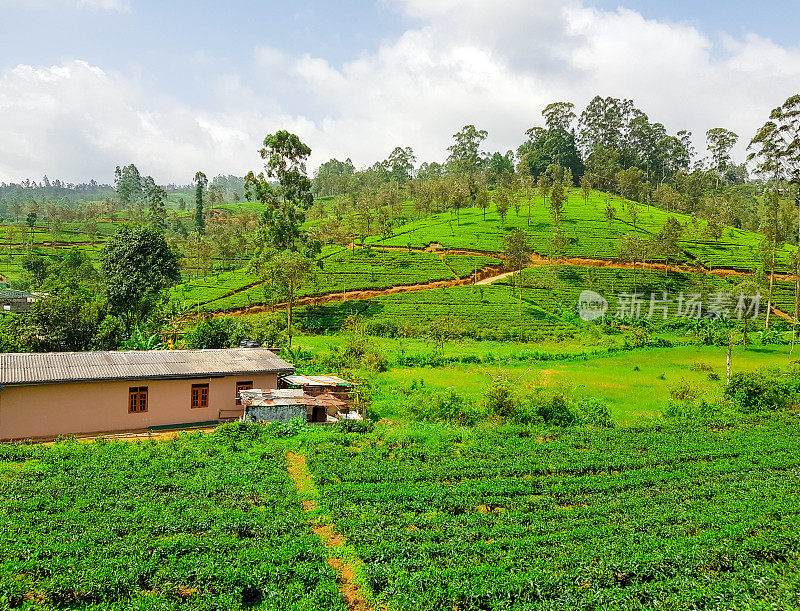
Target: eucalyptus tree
<point>557,199</point>
<point>286,203</point>
<point>400,164</point>
<point>776,147</point>
<point>466,158</point>
<point>517,251</point>
<point>200,181</point>
<point>157,198</point>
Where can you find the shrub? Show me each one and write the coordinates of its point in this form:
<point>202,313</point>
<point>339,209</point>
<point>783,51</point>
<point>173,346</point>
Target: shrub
<point>227,332</point>
<point>356,426</point>
<point>285,429</point>
<point>375,361</point>
<point>109,334</point>
<point>443,406</point>
<point>593,412</point>
<point>763,389</point>
<point>500,398</point>
<point>213,333</point>
<point>543,406</point>
<point>773,338</point>
<point>685,391</point>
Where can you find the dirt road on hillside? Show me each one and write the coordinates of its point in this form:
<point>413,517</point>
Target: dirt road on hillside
<point>486,276</point>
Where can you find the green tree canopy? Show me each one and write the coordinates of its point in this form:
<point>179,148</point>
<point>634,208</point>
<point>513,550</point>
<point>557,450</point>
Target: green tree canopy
<point>137,264</point>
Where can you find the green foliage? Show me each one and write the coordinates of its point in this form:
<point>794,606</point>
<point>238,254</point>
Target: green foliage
<point>764,389</point>
<point>426,405</point>
<point>668,516</point>
<point>285,429</point>
<point>137,264</point>
<point>500,398</point>
<point>212,333</point>
<point>139,340</point>
<point>356,426</point>
<point>544,406</point>
<point>227,332</point>
<point>199,521</point>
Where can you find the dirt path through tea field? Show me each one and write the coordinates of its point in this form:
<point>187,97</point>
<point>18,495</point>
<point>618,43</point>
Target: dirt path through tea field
<point>351,590</point>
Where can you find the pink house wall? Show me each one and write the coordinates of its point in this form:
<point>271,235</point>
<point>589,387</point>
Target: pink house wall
<point>46,410</point>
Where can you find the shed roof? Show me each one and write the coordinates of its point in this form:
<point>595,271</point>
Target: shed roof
<point>303,380</point>
<point>258,397</point>
<point>51,367</point>
<point>7,293</point>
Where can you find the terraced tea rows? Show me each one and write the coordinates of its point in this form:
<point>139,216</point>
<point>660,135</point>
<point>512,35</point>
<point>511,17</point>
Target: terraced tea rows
<point>588,229</point>
<point>367,269</point>
<point>202,521</point>
<point>665,517</point>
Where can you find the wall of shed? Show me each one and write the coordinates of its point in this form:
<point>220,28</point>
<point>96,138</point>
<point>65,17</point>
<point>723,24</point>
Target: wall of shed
<point>276,414</point>
<point>47,410</point>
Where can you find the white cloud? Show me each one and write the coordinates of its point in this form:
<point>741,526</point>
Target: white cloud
<point>103,5</point>
<point>76,121</point>
<point>106,5</point>
<point>495,65</point>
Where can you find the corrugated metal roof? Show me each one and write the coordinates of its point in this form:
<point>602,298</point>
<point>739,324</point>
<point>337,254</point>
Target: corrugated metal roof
<point>271,398</point>
<point>302,380</point>
<point>6,293</point>
<point>45,368</point>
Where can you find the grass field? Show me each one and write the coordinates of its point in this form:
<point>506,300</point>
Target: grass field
<point>635,385</point>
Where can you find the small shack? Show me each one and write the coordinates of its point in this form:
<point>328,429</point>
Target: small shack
<point>12,300</point>
<point>273,405</point>
<point>284,404</point>
<point>335,397</point>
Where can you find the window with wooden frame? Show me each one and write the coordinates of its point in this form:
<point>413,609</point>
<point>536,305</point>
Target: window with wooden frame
<point>242,386</point>
<point>137,399</point>
<point>199,395</point>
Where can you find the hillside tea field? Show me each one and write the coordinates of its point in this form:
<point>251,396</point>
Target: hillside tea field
<point>588,230</point>
<point>664,517</point>
<point>199,522</point>
<point>342,271</point>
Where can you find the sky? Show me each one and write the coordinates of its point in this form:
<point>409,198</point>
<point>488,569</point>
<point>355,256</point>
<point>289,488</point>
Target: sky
<point>178,86</point>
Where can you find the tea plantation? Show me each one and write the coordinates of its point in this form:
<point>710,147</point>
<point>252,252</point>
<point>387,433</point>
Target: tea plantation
<point>673,517</point>
<point>200,521</point>
<point>588,230</point>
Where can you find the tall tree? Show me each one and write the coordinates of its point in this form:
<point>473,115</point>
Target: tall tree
<point>137,264</point>
<point>400,164</point>
<point>720,141</point>
<point>517,252</point>
<point>199,216</point>
<point>284,274</point>
<point>285,157</point>
<point>128,184</point>
<point>666,241</point>
<point>557,199</point>
<point>776,146</point>
<point>552,145</point>
<point>466,158</point>
<point>559,116</point>
<point>157,198</point>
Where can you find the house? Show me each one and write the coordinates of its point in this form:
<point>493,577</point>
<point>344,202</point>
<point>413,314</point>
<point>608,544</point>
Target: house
<point>12,300</point>
<point>44,395</point>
